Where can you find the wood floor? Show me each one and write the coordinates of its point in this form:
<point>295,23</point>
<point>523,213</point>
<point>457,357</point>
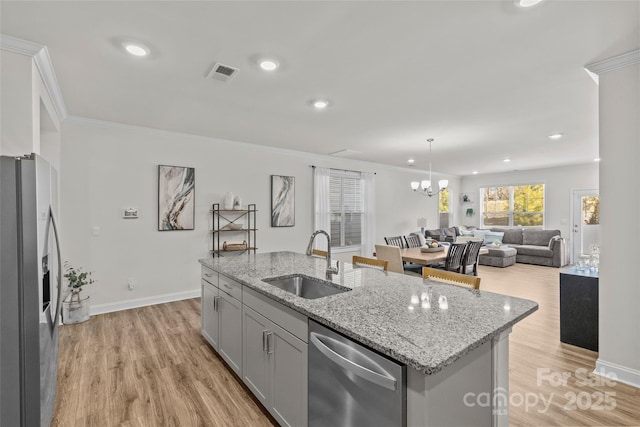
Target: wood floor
<point>150,367</point>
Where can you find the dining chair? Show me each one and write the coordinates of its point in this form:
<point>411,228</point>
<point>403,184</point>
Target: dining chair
<point>360,261</point>
<point>395,241</point>
<point>453,262</point>
<point>392,255</point>
<point>412,241</point>
<point>470,257</point>
<point>401,242</point>
<point>318,252</point>
<point>451,277</point>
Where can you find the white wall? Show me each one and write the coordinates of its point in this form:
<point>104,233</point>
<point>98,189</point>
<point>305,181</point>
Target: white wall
<point>619,286</point>
<point>16,115</point>
<point>108,167</point>
<point>29,121</point>
<point>559,183</point>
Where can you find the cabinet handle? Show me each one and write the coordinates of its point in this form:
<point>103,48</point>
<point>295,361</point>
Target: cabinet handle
<point>215,303</point>
<point>265,346</point>
<point>227,286</point>
<point>208,275</point>
<point>269,345</point>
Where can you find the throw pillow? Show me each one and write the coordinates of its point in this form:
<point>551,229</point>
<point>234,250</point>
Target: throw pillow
<point>480,234</point>
<point>492,237</point>
<point>433,234</point>
<point>553,240</point>
<point>449,232</point>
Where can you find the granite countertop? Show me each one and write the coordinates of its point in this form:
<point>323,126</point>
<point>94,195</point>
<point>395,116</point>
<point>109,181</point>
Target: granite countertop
<point>395,314</point>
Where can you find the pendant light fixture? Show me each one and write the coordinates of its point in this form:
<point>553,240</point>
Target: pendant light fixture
<point>424,187</point>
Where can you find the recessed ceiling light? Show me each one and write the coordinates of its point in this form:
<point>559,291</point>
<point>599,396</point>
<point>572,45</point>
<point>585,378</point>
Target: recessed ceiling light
<point>410,160</point>
<point>555,136</point>
<point>136,49</point>
<point>475,172</point>
<point>527,3</point>
<point>597,159</point>
<point>268,64</point>
<point>320,104</point>
<point>506,160</point>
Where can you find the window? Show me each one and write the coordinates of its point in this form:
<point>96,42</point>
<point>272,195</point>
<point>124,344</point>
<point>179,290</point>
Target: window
<point>591,210</point>
<point>513,206</point>
<point>443,200</point>
<point>346,208</point>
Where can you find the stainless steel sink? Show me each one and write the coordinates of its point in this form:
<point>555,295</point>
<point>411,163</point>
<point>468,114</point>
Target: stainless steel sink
<point>305,286</point>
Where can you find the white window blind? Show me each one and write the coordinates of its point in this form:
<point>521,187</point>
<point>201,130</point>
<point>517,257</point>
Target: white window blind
<point>345,189</point>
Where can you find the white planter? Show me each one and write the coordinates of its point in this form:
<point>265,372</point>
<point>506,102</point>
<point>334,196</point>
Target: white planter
<point>75,310</point>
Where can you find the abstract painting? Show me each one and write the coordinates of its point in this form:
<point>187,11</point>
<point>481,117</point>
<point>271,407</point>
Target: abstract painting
<point>283,201</point>
<point>176,198</point>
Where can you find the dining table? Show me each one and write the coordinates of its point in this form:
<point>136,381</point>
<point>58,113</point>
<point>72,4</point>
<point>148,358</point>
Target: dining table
<point>416,256</point>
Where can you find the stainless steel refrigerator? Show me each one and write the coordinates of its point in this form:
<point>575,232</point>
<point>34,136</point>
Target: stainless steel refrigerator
<point>30,297</point>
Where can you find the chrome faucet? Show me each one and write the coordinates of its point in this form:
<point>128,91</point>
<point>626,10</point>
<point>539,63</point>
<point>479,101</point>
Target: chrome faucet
<point>330,270</point>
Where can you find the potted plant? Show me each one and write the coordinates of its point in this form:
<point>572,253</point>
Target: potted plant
<point>75,309</point>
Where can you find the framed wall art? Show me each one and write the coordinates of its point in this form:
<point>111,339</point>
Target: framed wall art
<point>176,198</point>
<point>283,202</point>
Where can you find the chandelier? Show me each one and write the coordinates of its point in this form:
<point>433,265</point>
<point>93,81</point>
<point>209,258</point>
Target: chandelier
<point>424,187</point>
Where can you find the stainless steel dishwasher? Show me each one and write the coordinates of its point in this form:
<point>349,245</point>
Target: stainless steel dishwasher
<point>351,385</point>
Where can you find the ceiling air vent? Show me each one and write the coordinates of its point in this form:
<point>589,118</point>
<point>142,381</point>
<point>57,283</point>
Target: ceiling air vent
<point>222,72</point>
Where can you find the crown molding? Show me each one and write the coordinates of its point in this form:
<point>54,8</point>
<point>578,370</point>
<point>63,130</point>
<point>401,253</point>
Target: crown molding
<point>41,58</point>
<point>614,63</point>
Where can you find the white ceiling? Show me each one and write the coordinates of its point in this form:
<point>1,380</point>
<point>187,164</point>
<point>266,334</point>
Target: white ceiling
<point>485,79</point>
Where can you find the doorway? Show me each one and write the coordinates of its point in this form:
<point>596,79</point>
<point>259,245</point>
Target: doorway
<point>585,222</point>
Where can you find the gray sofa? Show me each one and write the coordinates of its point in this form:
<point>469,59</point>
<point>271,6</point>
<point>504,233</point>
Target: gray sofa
<point>540,247</point>
<point>533,246</point>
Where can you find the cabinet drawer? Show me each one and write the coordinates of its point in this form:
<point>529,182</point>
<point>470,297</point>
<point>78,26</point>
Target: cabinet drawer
<point>279,314</point>
<point>230,286</point>
<point>209,275</point>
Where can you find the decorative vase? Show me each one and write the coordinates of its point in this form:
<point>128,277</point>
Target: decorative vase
<point>76,309</point>
<point>237,203</point>
<point>227,200</point>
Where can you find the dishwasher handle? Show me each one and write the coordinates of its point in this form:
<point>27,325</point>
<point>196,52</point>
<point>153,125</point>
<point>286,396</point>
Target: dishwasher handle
<point>382,378</point>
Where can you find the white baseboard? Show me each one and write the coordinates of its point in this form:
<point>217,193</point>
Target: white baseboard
<point>142,302</point>
<point>618,373</point>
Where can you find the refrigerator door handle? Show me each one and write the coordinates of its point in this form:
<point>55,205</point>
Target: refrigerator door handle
<point>381,378</point>
<point>56,319</point>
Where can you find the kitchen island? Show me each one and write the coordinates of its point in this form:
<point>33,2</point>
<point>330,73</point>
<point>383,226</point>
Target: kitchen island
<point>453,340</point>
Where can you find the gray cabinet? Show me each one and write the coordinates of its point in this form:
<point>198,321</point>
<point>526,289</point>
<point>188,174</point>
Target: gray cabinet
<point>262,341</point>
<point>255,358</point>
<point>288,378</point>
<point>230,331</point>
<point>209,314</point>
<point>221,316</point>
<point>274,360</point>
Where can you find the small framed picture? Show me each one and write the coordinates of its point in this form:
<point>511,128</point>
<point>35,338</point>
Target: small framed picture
<point>176,198</point>
<point>283,201</point>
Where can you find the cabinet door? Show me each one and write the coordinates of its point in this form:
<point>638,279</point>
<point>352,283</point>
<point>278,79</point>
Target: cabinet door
<point>288,378</point>
<point>208,313</point>
<point>255,360</point>
<point>230,344</point>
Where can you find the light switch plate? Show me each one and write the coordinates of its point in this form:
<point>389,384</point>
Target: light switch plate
<point>130,213</point>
